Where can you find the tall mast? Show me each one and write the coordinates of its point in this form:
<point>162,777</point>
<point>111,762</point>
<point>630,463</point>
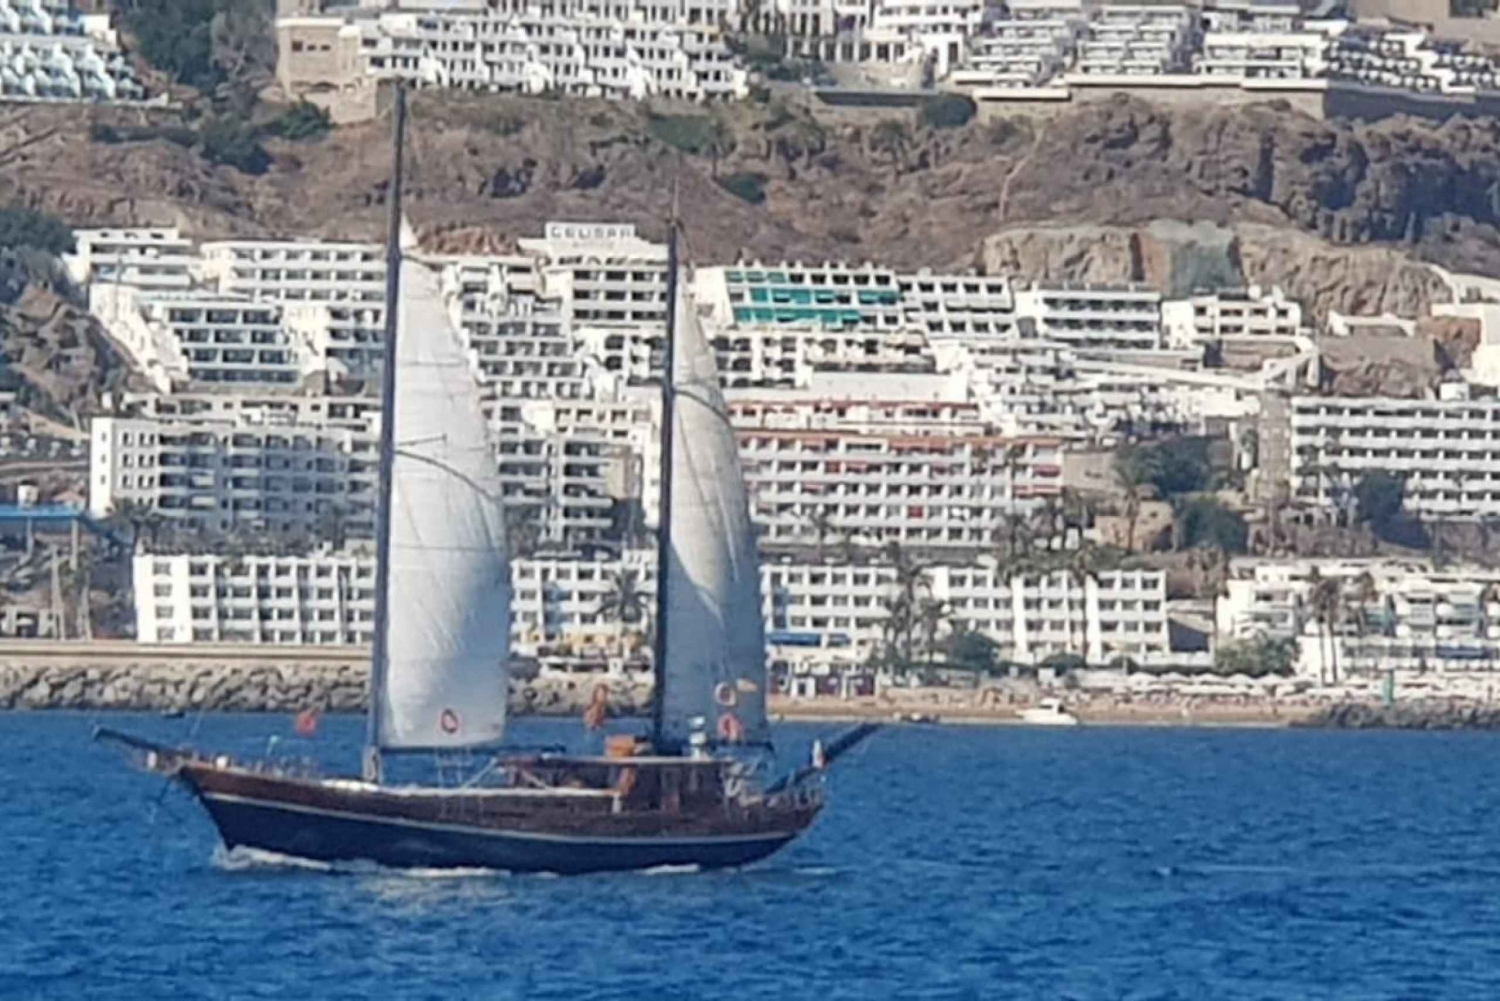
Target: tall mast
<point>378,660</point>
<point>664,518</point>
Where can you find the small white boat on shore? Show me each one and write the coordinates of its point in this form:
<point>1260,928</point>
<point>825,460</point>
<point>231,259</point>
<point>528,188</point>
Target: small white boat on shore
<point>1048,712</point>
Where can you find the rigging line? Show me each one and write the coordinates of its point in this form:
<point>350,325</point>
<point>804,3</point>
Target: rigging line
<point>444,467</point>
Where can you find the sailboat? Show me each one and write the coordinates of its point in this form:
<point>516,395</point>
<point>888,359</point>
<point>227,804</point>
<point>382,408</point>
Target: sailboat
<point>694,791</point>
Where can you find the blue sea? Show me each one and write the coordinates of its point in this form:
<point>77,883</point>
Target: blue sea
<point>959,863</point>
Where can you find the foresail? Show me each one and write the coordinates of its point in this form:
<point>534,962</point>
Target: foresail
<point>449,609</point>
<point>715,666</point>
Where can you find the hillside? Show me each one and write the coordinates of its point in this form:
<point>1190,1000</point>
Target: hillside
<point>914,196</point>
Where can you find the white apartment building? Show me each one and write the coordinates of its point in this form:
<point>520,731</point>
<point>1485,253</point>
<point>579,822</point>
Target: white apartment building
<point>921,490</point>
<point>1138,39</point>
<point>1410,60</point>
<point>1026,46</point>
<point>1094,317</point>
<point>145,258</point>
<point>518,328</point>
<point>1262,40</point>
<point>822,613</point>
<point>938,30</point>
<point>606,273</point>
<point>579,47</point>
<point>333,293</point>
<point>49,51</point>
<point>323,600</point>
<point>1255,314</point>
<point>1447,450</point>
<point>815,613</point>
<point>583,470</point>
<point>1402,615</point>
<point>959,305</point>
<point>181,336</point>
<point>833,295</point>
<point>277,463</point>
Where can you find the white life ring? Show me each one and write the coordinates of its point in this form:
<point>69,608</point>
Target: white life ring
<point>726,695</point>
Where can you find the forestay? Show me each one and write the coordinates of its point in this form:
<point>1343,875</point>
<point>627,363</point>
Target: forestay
<point>715,665</point>
<point>449,608</point>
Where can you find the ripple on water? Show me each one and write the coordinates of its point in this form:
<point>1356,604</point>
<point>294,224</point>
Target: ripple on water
<point>952,863</point>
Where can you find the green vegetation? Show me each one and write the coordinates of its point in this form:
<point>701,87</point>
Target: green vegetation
<point>1173,466</point>
<point>176,36</point>
<point>693,134</point>
<point>1204,521</point>
<point>746,186</point>
<point>948,111</point>
<point>1257,657</point>
<point>103,133</point>
<point>227,139</point>
<point>1379,497</point>
<point>24,228</point>
<point>971,651</point>
<point>233,142</point>
<point>303,121</point>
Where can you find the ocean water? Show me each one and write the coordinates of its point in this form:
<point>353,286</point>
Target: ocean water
<point>958,863</point>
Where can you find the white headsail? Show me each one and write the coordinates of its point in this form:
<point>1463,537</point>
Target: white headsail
<point>715,636</point>
<point>449,610</point>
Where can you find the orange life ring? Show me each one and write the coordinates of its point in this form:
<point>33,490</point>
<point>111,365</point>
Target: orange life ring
<point>726,695</point>
<point>731,729</point>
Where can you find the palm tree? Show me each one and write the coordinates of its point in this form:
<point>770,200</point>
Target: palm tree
<point>931,613</point>
<point>1357,600</point>
<point>143,519</point>
<point>902,606</point>
<point>1014,533</point>
<point>821,523</point>
<point>330,526</point>
<point>1211,562</point>
<point>78,579</point>
<point>624,601</point>
<point>523,530</point>
<point>1136,470</point>
<point>848,547</point>
<point>1046,517</point>
<point>1325,602</point>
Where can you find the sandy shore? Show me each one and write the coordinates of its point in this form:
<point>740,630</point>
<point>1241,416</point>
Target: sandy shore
<point>964,709</point>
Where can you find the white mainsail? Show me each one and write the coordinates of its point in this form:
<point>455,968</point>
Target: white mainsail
<point>715,667</point>
<point>448,615</point>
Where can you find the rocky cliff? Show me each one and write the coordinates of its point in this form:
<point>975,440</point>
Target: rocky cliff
<point>1290,199</point>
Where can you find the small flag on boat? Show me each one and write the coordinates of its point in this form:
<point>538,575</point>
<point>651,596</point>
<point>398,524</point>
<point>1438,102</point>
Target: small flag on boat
<point>307,723</point>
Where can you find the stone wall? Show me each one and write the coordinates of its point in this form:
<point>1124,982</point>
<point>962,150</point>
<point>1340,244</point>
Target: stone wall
<point>1425,714</point>
<point>288,688</point>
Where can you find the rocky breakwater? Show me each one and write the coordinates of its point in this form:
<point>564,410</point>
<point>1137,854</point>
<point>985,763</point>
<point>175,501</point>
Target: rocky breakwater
<point>286,687</point>
<point>1427,714</point>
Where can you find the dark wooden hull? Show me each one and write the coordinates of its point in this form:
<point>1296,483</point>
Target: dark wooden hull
<point>346,821</point>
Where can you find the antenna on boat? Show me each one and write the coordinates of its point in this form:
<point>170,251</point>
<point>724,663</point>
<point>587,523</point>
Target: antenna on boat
<point>664,508</point>
<point>378,660</point>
